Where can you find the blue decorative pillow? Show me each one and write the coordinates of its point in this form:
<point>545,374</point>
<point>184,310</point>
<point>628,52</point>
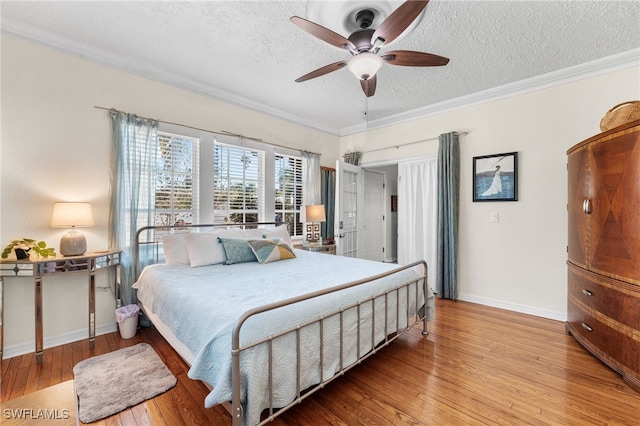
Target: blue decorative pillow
<point>237,250</point>
<point>271,250</point>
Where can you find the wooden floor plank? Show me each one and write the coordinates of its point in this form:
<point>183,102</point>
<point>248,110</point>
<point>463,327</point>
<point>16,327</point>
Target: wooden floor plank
<point>478,366</point>
<point>153,415</point>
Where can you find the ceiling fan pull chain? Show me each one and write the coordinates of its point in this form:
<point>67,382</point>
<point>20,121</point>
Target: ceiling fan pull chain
<point>366,111</point>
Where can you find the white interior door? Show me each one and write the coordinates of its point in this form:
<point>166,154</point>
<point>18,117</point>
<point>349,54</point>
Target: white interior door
<point>373,217</point>
<point>349,189</point>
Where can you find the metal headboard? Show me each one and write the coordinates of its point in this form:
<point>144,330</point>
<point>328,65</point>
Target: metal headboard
<point>155,238</point>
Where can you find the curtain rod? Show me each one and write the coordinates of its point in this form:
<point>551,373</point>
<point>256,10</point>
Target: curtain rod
<point>411,143</point>
<point>222,132</point>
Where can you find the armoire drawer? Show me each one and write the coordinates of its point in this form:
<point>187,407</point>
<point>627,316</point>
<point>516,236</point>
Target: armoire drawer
<point>619,347</point>
<point>600,293</point>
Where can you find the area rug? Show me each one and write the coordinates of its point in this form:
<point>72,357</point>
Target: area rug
<point>107,384</point>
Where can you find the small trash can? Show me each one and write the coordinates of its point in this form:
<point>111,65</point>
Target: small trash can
<point>127,318</point>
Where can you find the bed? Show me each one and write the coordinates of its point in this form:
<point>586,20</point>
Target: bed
<point>265,333</point>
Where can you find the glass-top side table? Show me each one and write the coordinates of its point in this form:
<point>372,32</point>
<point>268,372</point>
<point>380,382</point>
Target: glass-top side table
<point>88,263</point>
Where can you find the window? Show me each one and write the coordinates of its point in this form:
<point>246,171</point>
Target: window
<point>238,186</point>
<point>205,178</point>
<point>288,191</point>
<point>176,188</point>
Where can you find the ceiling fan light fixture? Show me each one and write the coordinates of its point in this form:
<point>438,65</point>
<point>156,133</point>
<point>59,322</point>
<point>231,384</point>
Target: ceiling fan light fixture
<point>365,65</point>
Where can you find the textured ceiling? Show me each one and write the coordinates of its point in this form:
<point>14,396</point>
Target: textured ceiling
<point>248,53</point>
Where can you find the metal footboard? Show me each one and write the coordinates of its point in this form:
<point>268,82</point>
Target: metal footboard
<point>418,303</point>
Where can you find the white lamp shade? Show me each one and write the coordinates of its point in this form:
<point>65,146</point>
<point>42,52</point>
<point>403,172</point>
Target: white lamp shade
<point>315,213</point>
<point>71,214</point>
<point>365,65</point>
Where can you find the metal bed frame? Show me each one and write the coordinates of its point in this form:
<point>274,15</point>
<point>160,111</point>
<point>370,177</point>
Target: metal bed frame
<point>235,406</point>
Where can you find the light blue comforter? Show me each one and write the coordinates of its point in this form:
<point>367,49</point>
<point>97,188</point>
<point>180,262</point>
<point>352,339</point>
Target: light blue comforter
<point>201,305</point>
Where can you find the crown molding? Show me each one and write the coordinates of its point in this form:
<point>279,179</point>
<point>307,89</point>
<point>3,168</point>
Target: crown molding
<point>594,68</point>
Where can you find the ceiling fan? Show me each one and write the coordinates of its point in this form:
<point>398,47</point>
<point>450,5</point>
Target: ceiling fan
<point>364,44</point>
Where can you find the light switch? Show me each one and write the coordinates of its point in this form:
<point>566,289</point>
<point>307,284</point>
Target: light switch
<point>495,217</point>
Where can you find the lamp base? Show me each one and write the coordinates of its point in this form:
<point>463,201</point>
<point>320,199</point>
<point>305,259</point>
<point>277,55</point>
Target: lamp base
<point>73,243</point>
<point>313,234</point>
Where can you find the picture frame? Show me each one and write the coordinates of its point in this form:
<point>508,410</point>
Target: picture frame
<point>495,177</point>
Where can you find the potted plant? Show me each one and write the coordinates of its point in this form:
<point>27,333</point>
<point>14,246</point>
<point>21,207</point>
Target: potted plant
<point>24,246</point>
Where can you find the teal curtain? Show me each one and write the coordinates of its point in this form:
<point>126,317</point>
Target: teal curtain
<point>448,207</point>
<point>328,191</point>
<point>132,198</point>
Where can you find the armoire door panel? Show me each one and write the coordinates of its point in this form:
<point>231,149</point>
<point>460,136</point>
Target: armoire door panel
<point>578,192</point>
<point>614,240</point>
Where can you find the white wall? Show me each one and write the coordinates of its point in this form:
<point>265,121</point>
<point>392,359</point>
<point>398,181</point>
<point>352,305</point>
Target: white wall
<point>56,147</point>
<point>518,263</point>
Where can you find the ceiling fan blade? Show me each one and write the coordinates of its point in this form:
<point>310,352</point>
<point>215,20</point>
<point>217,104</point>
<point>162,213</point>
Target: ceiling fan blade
<point>398,21</point>
<point>410,58</point>
<point>322,71</point>
<point>369,86</point>
<point>323,33</point>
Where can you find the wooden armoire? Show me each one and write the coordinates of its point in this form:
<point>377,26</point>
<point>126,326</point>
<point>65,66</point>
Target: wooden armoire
<point>604,248</point>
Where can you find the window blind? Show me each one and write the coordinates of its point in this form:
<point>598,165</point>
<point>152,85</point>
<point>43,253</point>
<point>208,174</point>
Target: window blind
<point>176,177</point>
<point>288,191</point>
<point>238,184</point>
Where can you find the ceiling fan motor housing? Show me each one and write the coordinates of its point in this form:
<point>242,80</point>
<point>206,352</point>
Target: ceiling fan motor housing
<point>362,39</point>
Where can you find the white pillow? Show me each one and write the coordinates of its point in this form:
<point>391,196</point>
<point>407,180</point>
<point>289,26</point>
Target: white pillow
<point>281,232</point>
<point>175,249</point>
<point>204,249</point>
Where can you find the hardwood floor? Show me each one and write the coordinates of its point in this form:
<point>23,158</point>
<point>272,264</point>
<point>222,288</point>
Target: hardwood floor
<point>478,366</point>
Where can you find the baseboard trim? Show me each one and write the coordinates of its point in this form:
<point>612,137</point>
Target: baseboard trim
<point>57,340</point>
<point>74,336</point>
<point>524,309</point>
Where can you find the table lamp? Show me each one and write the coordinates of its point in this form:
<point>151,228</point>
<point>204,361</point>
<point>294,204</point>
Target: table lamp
<point>315,214</point>
<point>72,215</point>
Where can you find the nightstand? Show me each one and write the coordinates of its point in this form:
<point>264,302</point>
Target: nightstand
<point>320,248</point>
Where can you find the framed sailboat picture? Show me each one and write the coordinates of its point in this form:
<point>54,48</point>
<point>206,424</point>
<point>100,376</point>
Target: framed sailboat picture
<point>495,177</point>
